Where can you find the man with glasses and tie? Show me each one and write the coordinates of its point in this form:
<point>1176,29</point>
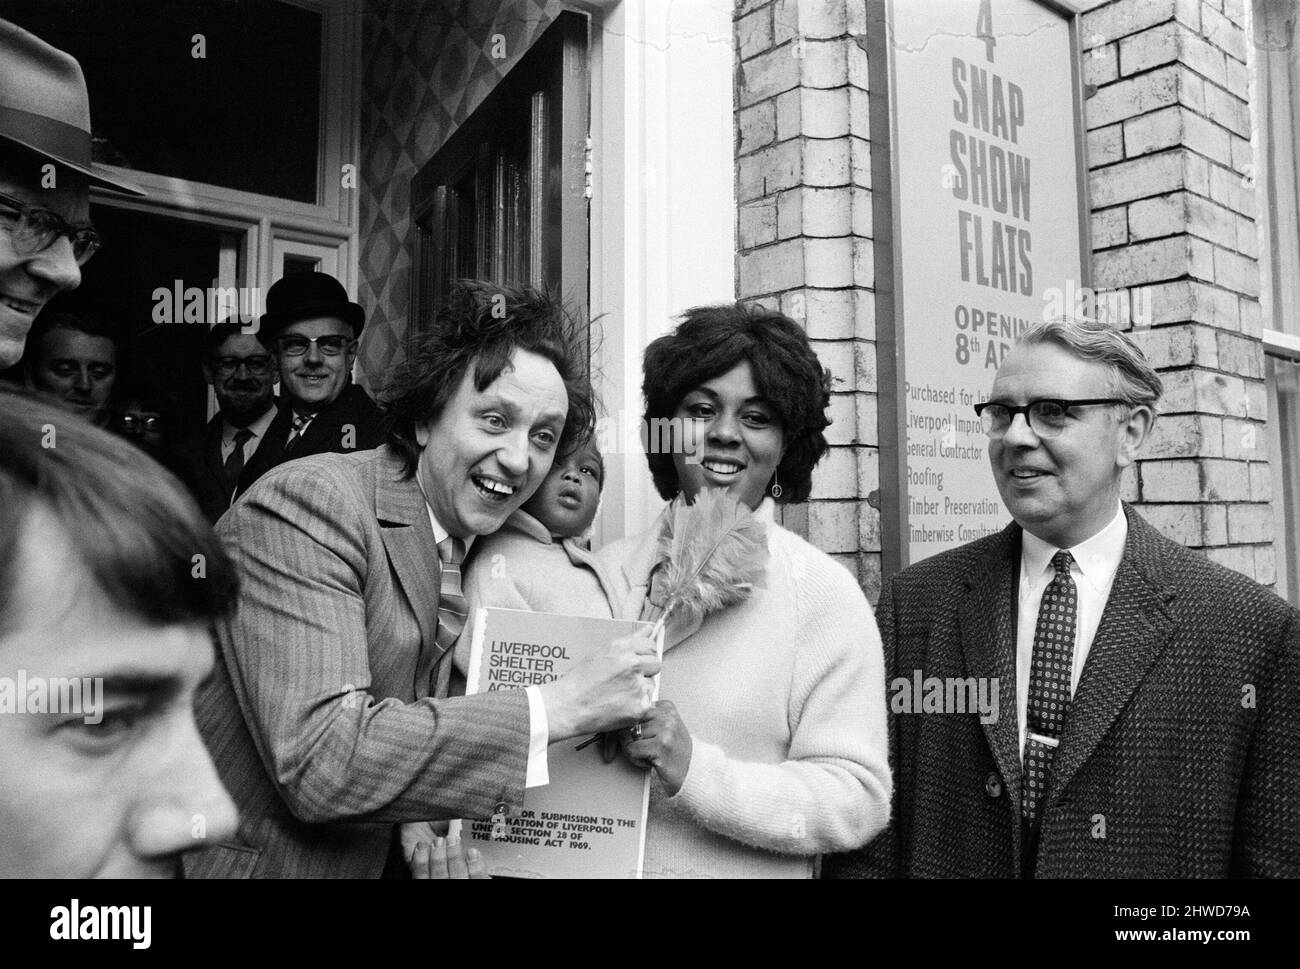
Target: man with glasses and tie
<point>311,328</point>
<point>326,716</point>
<point>45,174</point>
<point>1156,728</point>
<point>242,374</point>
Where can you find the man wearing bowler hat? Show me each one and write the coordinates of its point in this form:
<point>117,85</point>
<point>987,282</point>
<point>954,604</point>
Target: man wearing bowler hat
<point>45,174</point>
<point>312,327</point>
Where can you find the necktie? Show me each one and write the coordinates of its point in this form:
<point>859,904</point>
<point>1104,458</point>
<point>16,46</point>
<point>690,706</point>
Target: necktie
<point>300,422</point>
<point>451,601</point>
<point>1049,685</point>
<point>235,462</point>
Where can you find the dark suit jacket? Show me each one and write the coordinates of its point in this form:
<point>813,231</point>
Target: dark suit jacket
<point>318,715</point>
<point>207,473</point>
<point>328,433</point>
<point>1181,750</point>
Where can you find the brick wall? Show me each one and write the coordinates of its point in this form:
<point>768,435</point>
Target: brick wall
<point>804,232</point>
<point>1173,224</point>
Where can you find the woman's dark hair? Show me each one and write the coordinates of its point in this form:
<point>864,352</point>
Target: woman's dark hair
<point>484,324</point>
<point>136,529</point>
<point>710,341</point>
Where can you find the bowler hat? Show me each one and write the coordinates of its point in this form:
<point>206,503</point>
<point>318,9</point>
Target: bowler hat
<point>44,106</point>
<point>306,295</point>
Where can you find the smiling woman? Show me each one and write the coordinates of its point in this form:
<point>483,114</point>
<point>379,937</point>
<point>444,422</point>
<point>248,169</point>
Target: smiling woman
<point>785,755</point>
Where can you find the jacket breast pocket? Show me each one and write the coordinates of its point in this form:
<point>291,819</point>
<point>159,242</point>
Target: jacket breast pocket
<point>222,861</point>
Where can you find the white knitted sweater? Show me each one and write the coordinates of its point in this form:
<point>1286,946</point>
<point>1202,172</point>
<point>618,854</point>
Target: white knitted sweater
<point>784,698</point>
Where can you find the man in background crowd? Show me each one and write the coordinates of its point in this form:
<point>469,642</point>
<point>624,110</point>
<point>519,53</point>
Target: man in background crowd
<point>242,373</point>
<point>45,174</point>
<point>312,328</point>
<point>73,358</point>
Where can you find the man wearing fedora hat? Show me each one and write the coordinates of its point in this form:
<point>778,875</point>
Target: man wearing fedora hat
<point>312,327</point>
<point>45,174</point>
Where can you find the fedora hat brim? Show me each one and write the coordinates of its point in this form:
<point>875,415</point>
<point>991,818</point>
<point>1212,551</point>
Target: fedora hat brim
<point>94,173</point>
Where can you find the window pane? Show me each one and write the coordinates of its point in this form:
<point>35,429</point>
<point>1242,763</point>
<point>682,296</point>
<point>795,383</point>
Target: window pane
<point>244,115</point>
<point>300,264</point>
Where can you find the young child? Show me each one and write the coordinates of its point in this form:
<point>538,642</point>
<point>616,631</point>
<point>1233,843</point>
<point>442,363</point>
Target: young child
<point>540,560</point>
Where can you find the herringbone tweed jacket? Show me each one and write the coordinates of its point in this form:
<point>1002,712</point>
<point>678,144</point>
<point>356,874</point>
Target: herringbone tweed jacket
<point>1181,750</point>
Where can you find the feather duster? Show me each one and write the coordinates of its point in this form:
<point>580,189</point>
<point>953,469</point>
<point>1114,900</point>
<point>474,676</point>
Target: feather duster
<point>715,553</point>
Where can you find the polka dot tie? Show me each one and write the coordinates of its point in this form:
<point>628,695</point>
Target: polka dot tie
<point>1049,684</point>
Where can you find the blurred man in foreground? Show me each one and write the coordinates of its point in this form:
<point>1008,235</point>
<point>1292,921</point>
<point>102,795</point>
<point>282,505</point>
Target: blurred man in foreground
<point>109,581</point>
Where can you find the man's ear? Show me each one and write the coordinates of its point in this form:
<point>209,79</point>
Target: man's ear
<point>207,372</point>
<point>422,435</point>
<point>1133,430</point>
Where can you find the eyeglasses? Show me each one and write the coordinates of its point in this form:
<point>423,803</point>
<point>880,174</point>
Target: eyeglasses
<point>139,423</point>
<point>257,366</point>
<point>1047,418</point>
<point>36,229</point>
<point>331,346</point>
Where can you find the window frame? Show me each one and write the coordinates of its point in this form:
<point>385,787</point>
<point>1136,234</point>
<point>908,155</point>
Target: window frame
<point>550,84</point>
<point>270,221</point>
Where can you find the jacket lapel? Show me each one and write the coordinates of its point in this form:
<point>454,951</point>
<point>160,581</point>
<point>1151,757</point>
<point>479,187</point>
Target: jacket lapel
<point>323,434</point>
<point>408,539</point>
<point>988,636</point>
<point>212,454</point>
<point>269,452</point>
<point>1135,628</point>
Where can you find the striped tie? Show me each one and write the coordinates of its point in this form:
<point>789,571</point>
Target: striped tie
<point>300,422</point>
<point>451,601</point>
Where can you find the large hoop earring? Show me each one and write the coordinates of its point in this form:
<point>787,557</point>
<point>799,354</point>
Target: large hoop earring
<point>777,490</point>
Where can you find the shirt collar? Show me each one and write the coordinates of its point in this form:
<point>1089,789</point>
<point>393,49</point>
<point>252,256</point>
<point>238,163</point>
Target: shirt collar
<point>1097,558</point>
<point>440,534</point>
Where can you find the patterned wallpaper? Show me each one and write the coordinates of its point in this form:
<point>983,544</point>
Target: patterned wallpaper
<point>425,66</point>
